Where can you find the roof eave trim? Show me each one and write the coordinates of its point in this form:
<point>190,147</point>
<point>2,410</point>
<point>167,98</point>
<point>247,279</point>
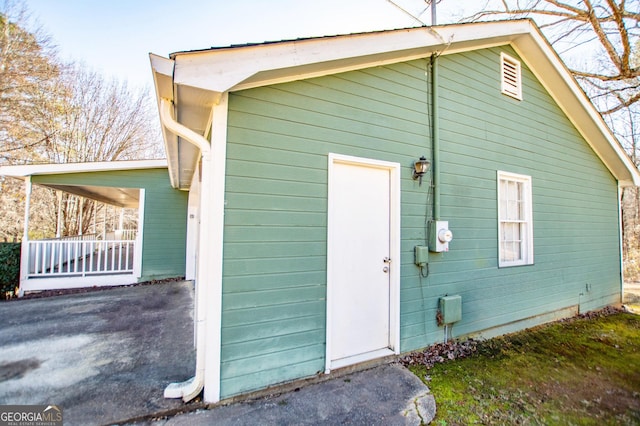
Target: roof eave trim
<point>163,74</point>
<point>66,168</point>
<point>223,70</point>
<point>577,107</point>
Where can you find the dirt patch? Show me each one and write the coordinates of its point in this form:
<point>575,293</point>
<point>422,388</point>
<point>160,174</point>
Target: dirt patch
<point>592,393</point>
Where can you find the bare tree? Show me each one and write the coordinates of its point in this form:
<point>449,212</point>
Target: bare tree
<point>611,29</point>
<point>87,118</point>
<point>93,119</point>
<point>27,68</point>
<point>60,113</point>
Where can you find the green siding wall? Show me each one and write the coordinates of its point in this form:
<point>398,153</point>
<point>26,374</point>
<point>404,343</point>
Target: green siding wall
<point>274,284</point>
<point>165,215</point>
<point>574,207</point>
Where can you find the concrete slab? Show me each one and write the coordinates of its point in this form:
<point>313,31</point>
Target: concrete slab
<point>384,395</point>
<point>102,356</point>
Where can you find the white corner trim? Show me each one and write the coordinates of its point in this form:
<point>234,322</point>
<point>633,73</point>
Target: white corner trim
<point>620,240</point>
<point>211,252</point>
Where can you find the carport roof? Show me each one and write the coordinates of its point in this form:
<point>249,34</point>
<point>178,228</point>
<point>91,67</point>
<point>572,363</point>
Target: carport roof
<point>121,197</point>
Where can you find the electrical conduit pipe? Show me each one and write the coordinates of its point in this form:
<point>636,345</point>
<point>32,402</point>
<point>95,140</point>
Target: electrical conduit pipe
<point>435,134</point>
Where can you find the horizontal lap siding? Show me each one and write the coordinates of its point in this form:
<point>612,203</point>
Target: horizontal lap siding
<point>574,206</point>
<point>274,289</point>
<point>274,285</point>
<point>165,215</point>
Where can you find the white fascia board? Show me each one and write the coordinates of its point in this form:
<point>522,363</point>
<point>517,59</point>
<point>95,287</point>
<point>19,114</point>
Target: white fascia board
<point>549,69</point>
<point>237,68</point>
<point>162,70</point>
<point>66,168</point>
<point>161,65</point>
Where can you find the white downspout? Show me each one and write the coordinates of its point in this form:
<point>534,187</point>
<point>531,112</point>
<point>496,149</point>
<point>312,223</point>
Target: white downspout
<point>191,388</point>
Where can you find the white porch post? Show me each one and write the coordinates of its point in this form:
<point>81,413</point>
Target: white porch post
<point>81,219</point>
<point>213,189</point>
<point>59,223</point>
<point>104,221</point>
<point>24,254</point>
<point>137,256</point>
<point>95,219</point>
<point>119,233</point>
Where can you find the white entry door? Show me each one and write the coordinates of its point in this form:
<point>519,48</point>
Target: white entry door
<point>359,262</point>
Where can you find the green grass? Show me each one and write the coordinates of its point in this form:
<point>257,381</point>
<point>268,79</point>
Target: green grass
<point>581,372</point>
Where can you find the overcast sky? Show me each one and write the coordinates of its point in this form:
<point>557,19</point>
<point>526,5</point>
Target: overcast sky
<point>114,37</point>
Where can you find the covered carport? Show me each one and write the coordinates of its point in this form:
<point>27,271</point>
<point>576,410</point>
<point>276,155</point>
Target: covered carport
<point>152,249</point>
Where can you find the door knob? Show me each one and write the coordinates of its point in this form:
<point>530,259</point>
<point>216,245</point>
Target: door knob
<point>385,269</point>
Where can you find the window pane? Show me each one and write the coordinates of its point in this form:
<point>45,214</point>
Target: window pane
<point>511,202</point>
<point>503,199</point>
<point>508,232</point>
<point>520,207</point>
<point>510,251</point>
<point>516,250</point>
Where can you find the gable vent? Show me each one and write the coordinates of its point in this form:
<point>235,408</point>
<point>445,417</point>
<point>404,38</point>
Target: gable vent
<point>511,78</point>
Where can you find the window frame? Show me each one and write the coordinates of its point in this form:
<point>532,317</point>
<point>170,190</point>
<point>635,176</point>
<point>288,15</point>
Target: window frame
<point>514,89</point>
<point>525,223</point>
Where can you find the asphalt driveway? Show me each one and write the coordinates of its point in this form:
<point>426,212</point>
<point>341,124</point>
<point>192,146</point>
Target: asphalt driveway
<point>105,357</point>
<point>102,356</point>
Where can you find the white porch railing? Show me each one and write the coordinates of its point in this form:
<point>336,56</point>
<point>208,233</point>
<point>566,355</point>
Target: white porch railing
<point>77,257</point>
<point>122,234</point>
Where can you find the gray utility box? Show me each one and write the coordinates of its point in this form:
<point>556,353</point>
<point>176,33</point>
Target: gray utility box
<point>451,309</point>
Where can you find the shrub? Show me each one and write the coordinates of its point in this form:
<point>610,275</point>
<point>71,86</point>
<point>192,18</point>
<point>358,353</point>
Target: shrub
<point>9,269</point>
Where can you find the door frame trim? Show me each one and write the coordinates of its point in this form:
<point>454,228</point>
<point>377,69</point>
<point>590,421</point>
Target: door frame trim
<point>394,250</point>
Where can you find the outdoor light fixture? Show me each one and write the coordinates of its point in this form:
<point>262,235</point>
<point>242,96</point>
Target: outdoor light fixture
<point>420,167</point>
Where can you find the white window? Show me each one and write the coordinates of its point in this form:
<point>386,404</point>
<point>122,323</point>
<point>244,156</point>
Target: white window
<point>515,220</point>
<point>511,76</point>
